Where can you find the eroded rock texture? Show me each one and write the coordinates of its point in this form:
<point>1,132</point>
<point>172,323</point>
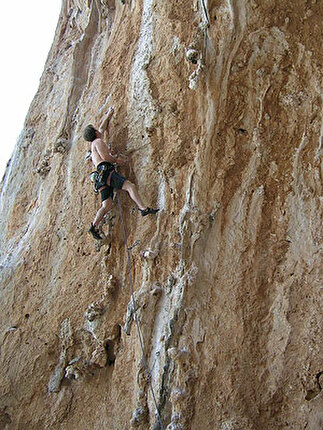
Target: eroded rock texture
<point>218,107</point>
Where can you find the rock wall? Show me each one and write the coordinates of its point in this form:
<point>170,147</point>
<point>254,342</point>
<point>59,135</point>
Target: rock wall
<point>218,107</point>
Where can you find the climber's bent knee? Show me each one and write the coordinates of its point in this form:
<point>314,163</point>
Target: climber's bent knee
<point>127,185</point>
<point>107,204</point>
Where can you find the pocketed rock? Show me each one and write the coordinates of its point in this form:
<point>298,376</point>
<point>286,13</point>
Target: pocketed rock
<point>44,168</point>
<point>61,146</point>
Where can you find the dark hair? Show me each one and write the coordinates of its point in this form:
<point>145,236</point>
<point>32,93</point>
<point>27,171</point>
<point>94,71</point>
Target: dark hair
<point>89,133</point>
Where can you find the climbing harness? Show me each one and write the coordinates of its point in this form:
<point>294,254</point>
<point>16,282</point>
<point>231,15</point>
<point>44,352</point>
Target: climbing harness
<point>134,306</point>
<point>102,176</point>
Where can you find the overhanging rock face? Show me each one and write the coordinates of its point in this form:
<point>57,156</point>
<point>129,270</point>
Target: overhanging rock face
<point>218,108</point>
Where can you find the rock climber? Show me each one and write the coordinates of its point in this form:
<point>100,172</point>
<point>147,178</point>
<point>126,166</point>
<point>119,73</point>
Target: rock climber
<point>105,178</point>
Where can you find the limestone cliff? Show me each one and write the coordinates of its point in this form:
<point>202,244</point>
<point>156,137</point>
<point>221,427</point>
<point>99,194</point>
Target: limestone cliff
<point>219,109</point>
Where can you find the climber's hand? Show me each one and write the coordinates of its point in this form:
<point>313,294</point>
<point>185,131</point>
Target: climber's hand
<point>110,112</point>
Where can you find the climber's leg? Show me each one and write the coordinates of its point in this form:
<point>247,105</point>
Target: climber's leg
<point>104,209</point>
<point>106,196</point>
<point>119,182</point>
<point>133,193</point>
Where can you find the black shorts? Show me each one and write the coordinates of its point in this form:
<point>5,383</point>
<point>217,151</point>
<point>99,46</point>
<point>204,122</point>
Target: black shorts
<point>106,193</point>
<point>116,182</point>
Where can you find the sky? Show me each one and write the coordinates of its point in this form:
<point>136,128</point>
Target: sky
<point>26,33</point>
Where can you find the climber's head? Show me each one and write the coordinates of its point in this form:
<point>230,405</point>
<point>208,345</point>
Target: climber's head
<point>90,133</point>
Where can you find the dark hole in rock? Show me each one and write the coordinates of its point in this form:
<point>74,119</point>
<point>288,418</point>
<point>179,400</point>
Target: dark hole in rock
<point>119,331</point>
<point>109,347</point>
<point>311,394</point>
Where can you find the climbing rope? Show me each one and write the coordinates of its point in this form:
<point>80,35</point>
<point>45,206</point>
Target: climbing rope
<point>134,305</point>
<point>206,15</point>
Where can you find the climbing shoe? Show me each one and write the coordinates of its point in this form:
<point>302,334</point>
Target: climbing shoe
<point>95,232</point>
<point>148,211</point>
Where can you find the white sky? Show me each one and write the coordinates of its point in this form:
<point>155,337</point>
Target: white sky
<point>26,33</point>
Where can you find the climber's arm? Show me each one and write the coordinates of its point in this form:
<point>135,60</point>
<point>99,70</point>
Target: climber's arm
<point>104,126</point>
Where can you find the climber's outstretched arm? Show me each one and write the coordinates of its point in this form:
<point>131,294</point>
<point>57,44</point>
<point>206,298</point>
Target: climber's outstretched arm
<point>104,126</point>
